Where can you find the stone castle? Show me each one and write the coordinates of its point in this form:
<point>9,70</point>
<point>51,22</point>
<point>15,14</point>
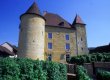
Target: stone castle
<point>50,37</point>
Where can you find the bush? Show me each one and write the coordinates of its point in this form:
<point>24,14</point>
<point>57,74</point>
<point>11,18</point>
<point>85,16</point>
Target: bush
<point>78,59</point>
<point>103,75</point>
<point>82,73</point>
<point>97,57</point>
<point>9,70</point>
<point>27,69</point>
<point>62,70</point>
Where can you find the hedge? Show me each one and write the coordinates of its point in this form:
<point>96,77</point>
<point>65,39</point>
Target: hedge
<point>27,69</point>
<point>82,73</point>
<point>97,57</point>
<point>103,75</point>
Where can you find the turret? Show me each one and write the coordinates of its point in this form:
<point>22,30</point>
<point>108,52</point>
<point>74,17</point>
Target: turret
<point>32,33</point>
<point>80,31</point>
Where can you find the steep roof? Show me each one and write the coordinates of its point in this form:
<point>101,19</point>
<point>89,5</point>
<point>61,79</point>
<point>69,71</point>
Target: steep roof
<point>12,46</point>
<point>56,20</point>
<point>78,20</point>
<point>5,51</point>
<point>33,9</point>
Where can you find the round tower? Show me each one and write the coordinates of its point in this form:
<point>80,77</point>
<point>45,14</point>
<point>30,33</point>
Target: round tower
<point>32,34</point>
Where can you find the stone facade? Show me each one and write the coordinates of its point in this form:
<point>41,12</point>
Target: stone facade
<point>33,36</point>
<point>59,42</point>
<point>81,39</point>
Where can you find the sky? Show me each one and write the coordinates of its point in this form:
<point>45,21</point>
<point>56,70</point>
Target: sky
<point>95,13</point>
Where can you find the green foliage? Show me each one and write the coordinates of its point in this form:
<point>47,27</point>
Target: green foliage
<point>53,71</point>
<point>27,69</point>
<point>97,57</point>
<point>103,75</point>
<point>82,73</point>
<point>62,69</point>
<point>9,70</point>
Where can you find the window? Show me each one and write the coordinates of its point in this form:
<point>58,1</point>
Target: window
<point>81,39</point>
<point>49,45</point>
<point>42,32</point>
<point>67,57</point>
<point>49,57</point>
<point>67,36</point>
<point>50,35</point>
<point>67,46</point>
<point>62,56</point>
<point>61,24</point>
<point>82,49</point>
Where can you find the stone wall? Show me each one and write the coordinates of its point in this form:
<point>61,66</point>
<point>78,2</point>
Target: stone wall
<point>81,39</point>
<point>93,67</point>
<point>59,42</point>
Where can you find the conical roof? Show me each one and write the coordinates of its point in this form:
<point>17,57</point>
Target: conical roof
<point>78,20</point>
<point>33,9</point>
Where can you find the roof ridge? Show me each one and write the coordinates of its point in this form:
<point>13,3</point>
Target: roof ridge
<point>7,43</point>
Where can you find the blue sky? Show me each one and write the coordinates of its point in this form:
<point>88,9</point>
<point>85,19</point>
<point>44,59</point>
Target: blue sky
<point>95,13</point>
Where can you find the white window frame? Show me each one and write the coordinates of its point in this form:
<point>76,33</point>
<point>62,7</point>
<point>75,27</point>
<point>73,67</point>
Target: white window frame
<point>51,46</point>
<point>66,46</point>
<point>67,39</point>
<point>48,35</point>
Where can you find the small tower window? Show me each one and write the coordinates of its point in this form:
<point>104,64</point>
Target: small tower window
<point>82,49</point>
<point>50,35</point>
<point>67,36</point>
<point>61,24</point>
<point>49,45</point>
<point>81,39</point>
<point>42,32</point>
<point>33,40</point>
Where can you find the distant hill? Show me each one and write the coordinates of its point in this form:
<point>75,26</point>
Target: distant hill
<point>100,49</point>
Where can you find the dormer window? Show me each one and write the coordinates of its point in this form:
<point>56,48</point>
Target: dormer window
<point>61,24</point>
